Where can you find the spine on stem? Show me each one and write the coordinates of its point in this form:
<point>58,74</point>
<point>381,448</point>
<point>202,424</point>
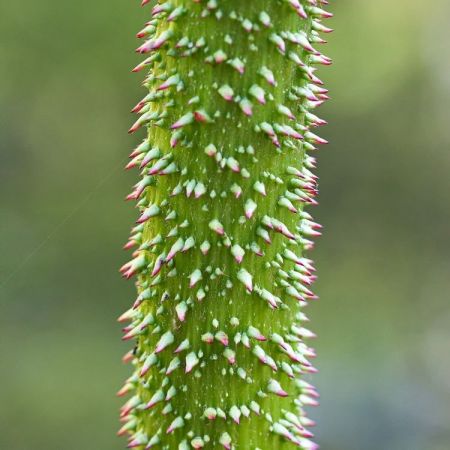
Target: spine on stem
<point>222,355</point>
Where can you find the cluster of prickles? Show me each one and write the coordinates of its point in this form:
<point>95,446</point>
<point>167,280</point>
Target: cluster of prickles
<point>221,359</point>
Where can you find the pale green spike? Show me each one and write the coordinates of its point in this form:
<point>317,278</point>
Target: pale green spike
<point>176,423</point>
<point>181,310</point>
<point>230,355</point>
<point>225,440</point>
<point>245,411</point>
<point>237,64</point>
<point>195,277</point>
<point>166,339</point>
<point>254,406</point>
<point>173,365</point>
<point>184,446</point>
<point>226,92</point>
<point>249,208</point>
<point>199,189</point>
<point>265,19</point>
<point>183,346</point>
<point>191,361</point>
<point>258,92</point>
<point>170,393</point>
<point>157,397</point>
<point>267,74</point>
<point>245,278</point>
<point>246,106</point>
<point>260,188</point>
<point>235,413</point>
<point>188,244</point>
<point>238,252</point>
<point>216,226</point>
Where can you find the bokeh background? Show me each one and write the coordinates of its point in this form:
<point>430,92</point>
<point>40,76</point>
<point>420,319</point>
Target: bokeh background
<point>384,261</point>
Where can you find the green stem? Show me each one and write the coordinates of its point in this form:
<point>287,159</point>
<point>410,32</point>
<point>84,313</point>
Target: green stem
<point>221,272</point>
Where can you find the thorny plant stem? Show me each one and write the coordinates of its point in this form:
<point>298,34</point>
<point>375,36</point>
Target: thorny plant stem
<point>219,246</point>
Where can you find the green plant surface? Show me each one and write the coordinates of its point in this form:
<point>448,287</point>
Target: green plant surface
<point>219,245</point>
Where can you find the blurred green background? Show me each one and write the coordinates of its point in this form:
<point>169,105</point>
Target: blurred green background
<point>384,261</point>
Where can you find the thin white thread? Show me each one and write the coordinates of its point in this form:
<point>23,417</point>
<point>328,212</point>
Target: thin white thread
<point>55,230</point>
